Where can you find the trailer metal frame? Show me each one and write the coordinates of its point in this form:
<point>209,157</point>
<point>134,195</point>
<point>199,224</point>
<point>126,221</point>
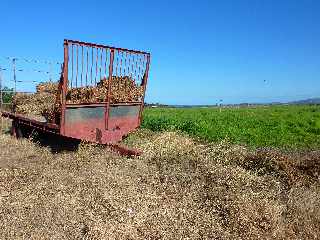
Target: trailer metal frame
<point>101,122</point>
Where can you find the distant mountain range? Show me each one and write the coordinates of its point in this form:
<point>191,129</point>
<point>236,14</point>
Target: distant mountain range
<point>307,101</point>
<point>298,102</point>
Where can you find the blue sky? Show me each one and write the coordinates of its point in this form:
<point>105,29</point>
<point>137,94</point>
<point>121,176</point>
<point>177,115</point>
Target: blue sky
<point>202,51</point>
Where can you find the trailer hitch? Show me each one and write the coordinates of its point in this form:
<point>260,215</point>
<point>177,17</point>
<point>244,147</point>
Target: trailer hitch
<point>123,150</point>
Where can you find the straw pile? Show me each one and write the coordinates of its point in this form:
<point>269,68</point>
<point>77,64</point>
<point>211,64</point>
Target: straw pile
<point>42,103</point>
<point>38,105</point>
<point>123,89</point>
<point>178,189</point>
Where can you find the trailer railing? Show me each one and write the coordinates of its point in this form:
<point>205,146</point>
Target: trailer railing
<point>87,64</point>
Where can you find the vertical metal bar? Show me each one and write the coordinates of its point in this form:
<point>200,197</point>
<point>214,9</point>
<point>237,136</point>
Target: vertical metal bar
<point>125,63</point>
<point>129,72</point>
<point>71,65</point>
<point>117,62</point>
<point>105,64</point>
<point>135,69</point>
<point>124,56</point>
<point>108,97</point>
<point>81,65</point>
<point>91,63</point>
<point>139,70</point>
<point>100,67</point>
<point>132,68</point>
<point>87,66</point>
<point>144,84</point>
<point>95,78</point>
<point>120,68</point>
<point>77,67</point>
<point>64,88</point>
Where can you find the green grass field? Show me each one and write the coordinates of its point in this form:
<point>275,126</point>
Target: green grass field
<point>276,126</point>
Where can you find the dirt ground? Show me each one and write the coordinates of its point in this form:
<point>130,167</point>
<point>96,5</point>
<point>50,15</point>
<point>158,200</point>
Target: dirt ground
<point>178,189</point>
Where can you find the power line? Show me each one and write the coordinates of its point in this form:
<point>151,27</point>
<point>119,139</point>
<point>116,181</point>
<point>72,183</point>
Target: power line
<point>30,70</point>
<point>32,60</point>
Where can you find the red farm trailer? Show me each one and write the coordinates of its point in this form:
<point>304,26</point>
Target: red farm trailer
<point>101,122</point>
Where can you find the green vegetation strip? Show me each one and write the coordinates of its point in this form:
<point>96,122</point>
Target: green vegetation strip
<point>272,126</point>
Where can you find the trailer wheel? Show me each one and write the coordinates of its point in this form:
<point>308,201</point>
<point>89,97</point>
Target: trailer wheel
<point>16,130</point>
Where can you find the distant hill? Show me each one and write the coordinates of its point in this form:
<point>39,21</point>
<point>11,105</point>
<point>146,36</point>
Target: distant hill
<point>298,102</point>
<point>307,101</point>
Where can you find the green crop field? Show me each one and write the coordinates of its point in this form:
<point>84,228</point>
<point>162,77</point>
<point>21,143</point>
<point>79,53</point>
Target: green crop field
<point>272,126</point>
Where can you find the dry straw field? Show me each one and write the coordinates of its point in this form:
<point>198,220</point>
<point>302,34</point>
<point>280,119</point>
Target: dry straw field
<point>178,189</point>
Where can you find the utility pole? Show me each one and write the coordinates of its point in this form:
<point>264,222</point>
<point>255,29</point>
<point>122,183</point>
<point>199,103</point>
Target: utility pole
<point>1,97</point>
<point>50,72</point>
<point>1,124</point>
<point>220,104</point>
<point>14,74</point>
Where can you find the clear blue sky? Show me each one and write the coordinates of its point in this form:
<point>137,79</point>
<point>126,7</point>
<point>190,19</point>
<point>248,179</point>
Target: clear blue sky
<point>202,51</point>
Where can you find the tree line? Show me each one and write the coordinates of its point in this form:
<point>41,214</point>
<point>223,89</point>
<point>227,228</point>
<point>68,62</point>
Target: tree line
<point>7,94</point>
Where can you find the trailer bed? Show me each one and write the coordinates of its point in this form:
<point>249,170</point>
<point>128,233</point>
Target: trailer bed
<point>26,121</point>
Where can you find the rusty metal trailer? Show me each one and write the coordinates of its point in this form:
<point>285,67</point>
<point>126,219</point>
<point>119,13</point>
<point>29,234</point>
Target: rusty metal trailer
<point>104,122</point>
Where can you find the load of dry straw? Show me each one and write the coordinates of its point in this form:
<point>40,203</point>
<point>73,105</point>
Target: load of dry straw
<point>123,89</point>
<point>43,102</point>
<point>37,105</point>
